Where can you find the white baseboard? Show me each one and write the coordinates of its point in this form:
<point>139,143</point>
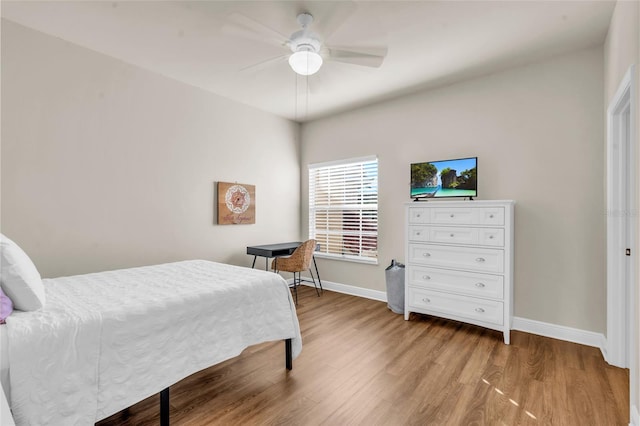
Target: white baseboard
<point>351,290</point>
<point>559,332</point>
<point>554,331</point>
<point>635,416</point>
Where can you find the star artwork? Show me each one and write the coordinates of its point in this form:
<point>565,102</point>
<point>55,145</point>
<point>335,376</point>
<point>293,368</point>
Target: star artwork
<point>238,197</point>
<point>236,203</point>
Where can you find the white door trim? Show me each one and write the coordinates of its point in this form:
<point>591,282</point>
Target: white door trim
<point>622,222</point>
<point>620,173</point>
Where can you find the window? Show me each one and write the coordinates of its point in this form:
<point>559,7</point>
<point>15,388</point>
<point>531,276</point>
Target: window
<point>343,209</point>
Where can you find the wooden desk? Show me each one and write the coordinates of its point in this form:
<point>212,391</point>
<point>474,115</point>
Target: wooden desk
<point>269,251</point>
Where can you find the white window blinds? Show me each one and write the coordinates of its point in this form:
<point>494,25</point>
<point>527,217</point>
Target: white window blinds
<point>343,209</point>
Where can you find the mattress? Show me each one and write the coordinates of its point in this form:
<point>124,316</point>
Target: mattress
<point>105,341</point>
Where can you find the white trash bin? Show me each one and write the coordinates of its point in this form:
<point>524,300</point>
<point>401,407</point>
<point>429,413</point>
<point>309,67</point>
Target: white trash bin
<point>394,275</point>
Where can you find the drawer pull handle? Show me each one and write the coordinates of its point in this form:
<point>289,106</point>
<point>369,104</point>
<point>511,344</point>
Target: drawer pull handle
<point>418,215</point>
<point>426,277</point>
<point>490,216</point>
<point>426,254</point>
<point>479,310</point>
<point>480,259</point>
<point>418,233</point>
<point>490,236</point>
<point>451,215</point>
<point>451,235</point>
<point>426,300</point>
<point>480,285</point>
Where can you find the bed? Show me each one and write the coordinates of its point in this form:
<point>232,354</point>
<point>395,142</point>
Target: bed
<point>105,341</point>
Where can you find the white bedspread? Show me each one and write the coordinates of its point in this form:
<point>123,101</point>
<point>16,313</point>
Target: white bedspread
<point>108,340</point>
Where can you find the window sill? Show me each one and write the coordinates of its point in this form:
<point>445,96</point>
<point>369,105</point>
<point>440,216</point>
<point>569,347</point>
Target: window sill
<point>346,258</point>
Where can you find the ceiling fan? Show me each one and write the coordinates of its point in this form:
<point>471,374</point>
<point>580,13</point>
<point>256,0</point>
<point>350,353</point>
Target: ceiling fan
<point>307,50</point>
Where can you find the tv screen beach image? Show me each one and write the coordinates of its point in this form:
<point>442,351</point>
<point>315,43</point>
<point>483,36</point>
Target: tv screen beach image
<point>450,178</point>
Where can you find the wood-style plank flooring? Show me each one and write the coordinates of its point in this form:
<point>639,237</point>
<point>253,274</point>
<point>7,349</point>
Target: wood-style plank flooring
<point>361,364</point>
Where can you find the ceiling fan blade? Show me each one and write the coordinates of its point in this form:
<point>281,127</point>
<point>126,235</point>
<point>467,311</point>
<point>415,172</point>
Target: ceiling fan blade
<point>365,56</point>
<point>266,63</point>
<point>242,26</point>
<point>330,17</point>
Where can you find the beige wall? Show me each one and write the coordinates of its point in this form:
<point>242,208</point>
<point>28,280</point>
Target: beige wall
<point>621,50</point>
<point>105,165</point>
<point>538,132</point>
<point>622,45</point>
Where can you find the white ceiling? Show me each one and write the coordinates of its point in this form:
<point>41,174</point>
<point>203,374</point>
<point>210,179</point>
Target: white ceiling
<point>430,43</point>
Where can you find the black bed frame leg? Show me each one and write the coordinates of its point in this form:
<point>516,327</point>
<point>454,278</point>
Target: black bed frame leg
<point>289,358</point>
<point>164,407</point>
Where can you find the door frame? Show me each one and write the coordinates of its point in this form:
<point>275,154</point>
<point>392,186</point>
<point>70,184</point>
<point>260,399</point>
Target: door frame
<point>622,221</point>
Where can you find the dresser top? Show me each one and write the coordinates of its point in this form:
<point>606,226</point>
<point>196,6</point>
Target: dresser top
<point>459,203</point>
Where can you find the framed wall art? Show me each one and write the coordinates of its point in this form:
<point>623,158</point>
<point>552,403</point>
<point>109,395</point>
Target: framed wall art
<point>236,204</point>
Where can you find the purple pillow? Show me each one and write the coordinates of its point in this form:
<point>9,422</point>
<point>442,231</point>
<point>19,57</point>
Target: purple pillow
<point>6,306</point>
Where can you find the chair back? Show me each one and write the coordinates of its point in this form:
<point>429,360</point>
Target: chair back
<point>299,260</point>
<point>306,249</point>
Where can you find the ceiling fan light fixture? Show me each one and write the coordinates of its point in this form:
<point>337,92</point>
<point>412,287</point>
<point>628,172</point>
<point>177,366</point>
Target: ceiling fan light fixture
<point>305,62</point>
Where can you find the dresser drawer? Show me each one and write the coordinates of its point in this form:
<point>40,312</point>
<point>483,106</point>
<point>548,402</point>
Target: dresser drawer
<point>490,216</point>
<point>453,235</point>
<point>467,283</point>
<point>419,233</point>
<point>493,216</point>
<point>491,237</point>
<point>462,306</point>
<point>453,216</point>
<point>419,215</point>
<point>470,258</point>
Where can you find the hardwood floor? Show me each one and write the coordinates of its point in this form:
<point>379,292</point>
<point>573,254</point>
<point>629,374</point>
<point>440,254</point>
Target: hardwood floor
<point>361,364</point>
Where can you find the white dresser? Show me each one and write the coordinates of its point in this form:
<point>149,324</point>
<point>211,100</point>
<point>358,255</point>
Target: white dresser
<point>459,261</point>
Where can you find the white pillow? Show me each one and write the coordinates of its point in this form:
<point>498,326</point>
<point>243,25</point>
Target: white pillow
<point>19,277</point>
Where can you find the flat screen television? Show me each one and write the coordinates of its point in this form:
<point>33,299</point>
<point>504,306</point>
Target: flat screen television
<point>448,178</point>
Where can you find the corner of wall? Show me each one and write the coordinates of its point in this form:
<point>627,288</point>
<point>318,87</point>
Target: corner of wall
<point>603,348</point>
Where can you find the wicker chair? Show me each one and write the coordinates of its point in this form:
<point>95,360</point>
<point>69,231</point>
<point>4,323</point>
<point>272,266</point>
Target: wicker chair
<point>299,261</point>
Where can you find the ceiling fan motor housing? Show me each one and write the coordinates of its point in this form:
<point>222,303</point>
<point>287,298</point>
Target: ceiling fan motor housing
<point>304,40</point>
<point>305,45</point>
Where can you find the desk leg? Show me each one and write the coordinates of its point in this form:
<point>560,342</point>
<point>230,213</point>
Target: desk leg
<point>317,273</point>
<point>266,263</point>
<point>253,265</point>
